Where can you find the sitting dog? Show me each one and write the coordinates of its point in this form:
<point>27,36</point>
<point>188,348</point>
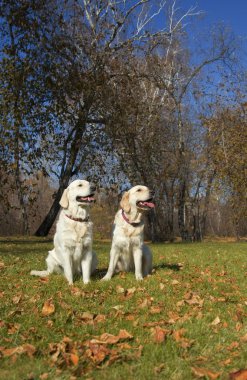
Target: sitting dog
<point>128,252</point>
<point>72,253</point>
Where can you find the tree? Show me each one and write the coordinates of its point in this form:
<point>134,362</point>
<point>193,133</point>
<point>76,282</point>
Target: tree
<point>227,133</point>
<point>23,96</point>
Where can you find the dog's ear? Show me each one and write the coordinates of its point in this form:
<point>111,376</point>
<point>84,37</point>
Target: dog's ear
<point>125,204</point>
<point>64,201</point>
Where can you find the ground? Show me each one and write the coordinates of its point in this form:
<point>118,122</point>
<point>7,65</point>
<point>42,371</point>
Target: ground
<point>187,320</point>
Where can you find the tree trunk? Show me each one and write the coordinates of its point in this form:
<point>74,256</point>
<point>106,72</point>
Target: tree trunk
<point>184,233</point>
<point>50,218</point>
<point>207,201</point>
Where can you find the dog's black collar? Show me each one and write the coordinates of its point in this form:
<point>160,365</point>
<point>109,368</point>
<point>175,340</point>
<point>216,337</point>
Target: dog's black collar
<point>77,219</point>
<point>134,224</point>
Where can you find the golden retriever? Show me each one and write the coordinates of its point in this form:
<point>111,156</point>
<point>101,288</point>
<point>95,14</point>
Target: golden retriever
<point>72,253</point>
<point>128,252</point>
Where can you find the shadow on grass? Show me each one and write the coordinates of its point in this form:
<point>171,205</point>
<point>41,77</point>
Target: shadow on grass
<point>28,242</point>
<point>175,267</point>
<point>100,273</point>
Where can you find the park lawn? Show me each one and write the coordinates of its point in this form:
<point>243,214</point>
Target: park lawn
<point>187,320</point>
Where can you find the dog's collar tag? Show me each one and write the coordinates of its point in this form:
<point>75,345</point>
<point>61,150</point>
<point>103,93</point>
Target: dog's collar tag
<point>77,219</point>
<point>134,224</point>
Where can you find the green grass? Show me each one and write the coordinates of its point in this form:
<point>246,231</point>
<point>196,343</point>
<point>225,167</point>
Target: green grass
<point>192,286</point>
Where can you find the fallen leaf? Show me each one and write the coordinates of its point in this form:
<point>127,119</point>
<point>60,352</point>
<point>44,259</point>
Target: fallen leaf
<point>244,338</point>
<point>175,282</point>
<point>44,280</point>
<point>44,376</point>
<point>155,309</point>
<point>48,307</point>
<point>146,302</point>
<point>1,264</point>
<point>159,334</point>
<point>97,352</point>
<point>239,375</point>
<point>16,299</point>
<point>156,323</point>
<point>13,328</point>
<point>76,291</point>
<point>86,315</point>
<point>74,358</point>
<point>123,334</point>
<point>193,299</point>
<point>117,307</point>
<point>178,335</point>
<point>216,321</point>
<point>28,349</point>
<point>233,346</point>
<point>202,372</point>
<point>159,368</point>
<point>100,318</point>
<point>131,291</point>
<point>120,289</point>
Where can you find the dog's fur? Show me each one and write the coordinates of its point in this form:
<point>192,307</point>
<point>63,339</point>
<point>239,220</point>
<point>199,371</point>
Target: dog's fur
<point>128,252</point>
<point>72,253</point>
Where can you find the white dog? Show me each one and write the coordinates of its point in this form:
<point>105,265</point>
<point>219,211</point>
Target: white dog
<point>128,252</point>
<point>72,253</point>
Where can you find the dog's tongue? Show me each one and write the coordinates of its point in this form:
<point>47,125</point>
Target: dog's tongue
<point>148,204</point>
<point>89,199</point>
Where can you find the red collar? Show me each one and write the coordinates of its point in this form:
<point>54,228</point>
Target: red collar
<point>134,224</point>
<point>77,219</point>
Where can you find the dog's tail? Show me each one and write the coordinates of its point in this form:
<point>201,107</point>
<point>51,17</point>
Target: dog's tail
<point>40,273</point>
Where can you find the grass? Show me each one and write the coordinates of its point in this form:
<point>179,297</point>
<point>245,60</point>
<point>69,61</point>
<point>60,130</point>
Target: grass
<point>188,319</point>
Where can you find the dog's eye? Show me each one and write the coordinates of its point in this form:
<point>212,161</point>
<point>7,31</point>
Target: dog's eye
<point>139,189</point>
<point>80,185</point>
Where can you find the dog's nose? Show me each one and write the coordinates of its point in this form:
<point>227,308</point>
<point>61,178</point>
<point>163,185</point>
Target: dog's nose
<point>92,187</point>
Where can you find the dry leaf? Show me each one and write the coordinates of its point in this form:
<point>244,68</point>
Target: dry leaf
<point>155,309</point>
<point>44,376</point>
<point>216,321</point>
<point>1,264</point>
<point>13,328</point>
<point>86,315</point>
<point>76,291</point>
<point>28,349</point>
<point>97,352</point>
<point>16,299</point>
<point>48,307</point>
<point>146,302</point>
<point>159,368</point>
<point>202,372</point>
<point>44,280</point>
<point>175,282</point>
<point>233,346</point>
<point>74,358</point>
<point>120,289</point>
<point>244,338</point>
<point>239,375</point>
<point>131,291</point>
<point>159,334</point>
<point>100,318</point>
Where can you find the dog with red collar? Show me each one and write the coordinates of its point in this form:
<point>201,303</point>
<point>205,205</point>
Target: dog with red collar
<point>128,251</point>
<point>72,254</point>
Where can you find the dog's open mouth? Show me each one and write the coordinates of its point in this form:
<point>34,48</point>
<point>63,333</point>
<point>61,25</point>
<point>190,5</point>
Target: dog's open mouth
<point>88,199</point>
<point>146,205</point>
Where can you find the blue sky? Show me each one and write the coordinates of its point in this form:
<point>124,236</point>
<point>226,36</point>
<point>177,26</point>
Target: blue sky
<point>232,12</point>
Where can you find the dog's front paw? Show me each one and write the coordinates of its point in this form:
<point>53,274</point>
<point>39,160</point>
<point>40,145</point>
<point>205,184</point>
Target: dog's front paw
<point>107,277</point>
<point>139,277</point>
